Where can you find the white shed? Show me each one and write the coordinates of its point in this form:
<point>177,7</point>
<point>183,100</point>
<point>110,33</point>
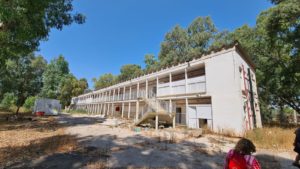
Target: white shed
<point>49,106</point>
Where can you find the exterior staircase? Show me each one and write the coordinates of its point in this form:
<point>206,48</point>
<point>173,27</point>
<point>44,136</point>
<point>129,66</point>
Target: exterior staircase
<point>158,108</point>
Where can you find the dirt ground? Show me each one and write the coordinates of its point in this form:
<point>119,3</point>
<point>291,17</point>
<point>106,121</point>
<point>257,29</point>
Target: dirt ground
<point>110,143</point>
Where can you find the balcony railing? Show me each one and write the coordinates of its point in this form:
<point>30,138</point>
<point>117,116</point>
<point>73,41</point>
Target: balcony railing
<point>194,85</point>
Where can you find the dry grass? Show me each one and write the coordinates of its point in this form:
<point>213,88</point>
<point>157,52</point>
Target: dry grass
<point>274,138</point>
<point>97,165</point>
<point>24,139</point>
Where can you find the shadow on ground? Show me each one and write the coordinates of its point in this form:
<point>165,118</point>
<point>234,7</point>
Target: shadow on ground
<point>109,151</point>
<point>43,123</point>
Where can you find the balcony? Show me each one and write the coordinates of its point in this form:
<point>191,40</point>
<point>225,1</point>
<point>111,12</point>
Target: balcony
<point>194,85</point>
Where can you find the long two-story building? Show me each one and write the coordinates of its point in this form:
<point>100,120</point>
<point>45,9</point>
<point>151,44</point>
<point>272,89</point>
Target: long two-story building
<point>216,91</point>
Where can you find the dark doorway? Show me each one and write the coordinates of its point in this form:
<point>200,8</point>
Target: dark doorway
<point>202,123</point>
<point>178,113</point>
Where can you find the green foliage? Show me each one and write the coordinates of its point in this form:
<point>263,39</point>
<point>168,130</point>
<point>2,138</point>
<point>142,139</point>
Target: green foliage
<point>8,100</point>
<point>70,87</point>
<point>104,81</point>
<point>25,78</point>
<point>29,103</point>
<point>175,47</point>
<point>78,111</point>
<point>129,71</point>
<point>23,24</point>
<point>53,76</point>
<point>182,45</point>
<point>151,63</point>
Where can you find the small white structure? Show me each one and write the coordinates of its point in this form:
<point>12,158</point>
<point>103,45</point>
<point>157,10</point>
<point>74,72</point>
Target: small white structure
<point>49,106</point>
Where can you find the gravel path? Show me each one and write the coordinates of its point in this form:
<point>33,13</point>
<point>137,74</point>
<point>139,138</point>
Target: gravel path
<point>127,148</point>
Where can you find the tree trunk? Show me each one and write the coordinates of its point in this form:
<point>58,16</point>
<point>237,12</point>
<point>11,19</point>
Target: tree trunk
<point>17,112</point>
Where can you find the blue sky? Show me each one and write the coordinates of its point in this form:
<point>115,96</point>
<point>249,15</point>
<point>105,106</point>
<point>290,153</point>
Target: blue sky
<point>119,32</point>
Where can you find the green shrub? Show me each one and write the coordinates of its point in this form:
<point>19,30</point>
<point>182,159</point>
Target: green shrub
<point>8,101</point>
<point>78,111</point>
<point>29,103</point>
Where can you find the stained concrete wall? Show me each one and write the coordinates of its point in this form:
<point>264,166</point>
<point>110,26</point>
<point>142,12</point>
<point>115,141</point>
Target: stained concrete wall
<point>223,84</point>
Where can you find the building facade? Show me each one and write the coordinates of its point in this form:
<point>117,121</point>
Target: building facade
<point>217,91</point>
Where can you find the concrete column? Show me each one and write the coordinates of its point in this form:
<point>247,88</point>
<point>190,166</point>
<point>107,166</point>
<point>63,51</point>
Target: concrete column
<point>118,94</point>
<point>156,122</point>
<point>113,109</point>
<point>123,106</point>
<point>157,82</point>
<point>124,90</point>
<point>174,115</point>
<point>101,107</point>
<point>98,110</point>
<point>170,83</point>
<point>130,93</point>
<point>146,88</point>
<point>129,106</point>
<point>93,109</point>
<point>186,78</point>
<point>114,94</point>
<point>138,90</point>
<point>109,93</point>
<point>137,110</point>
<point>186,111</point>
<point>104,109</point>
<point>107,109</point>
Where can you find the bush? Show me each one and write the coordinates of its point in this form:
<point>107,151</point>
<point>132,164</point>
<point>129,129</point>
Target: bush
<point>29,103</point>
<point>8,101</point>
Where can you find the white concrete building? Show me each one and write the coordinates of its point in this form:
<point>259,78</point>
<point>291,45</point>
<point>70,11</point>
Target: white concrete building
<point>217,91</point>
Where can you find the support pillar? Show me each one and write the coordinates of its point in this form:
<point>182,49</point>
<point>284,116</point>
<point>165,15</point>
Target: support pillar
<point>129,106</point>
<point>186,111</point>
<point>186,78</point>
<point>107,109</point>
<point>157,82</point>
<point>147,89</point>
<point>118,94</point>
<point>137,110</point>
<point>171,111</point>
<point>123,106</point>
<point>156,122</point>
<point>100,111</point>
<point>124,90</point>
<point>113,109</point>
<point>170,83</point>
<point>104,109</point>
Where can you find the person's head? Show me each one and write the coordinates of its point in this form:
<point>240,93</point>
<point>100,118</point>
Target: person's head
<point>245,146</point>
